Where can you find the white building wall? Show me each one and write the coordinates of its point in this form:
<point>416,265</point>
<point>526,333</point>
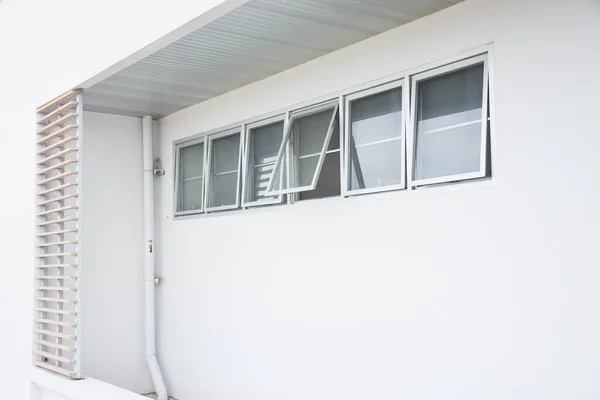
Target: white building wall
<point>473,293</point>
<point>113,253</point>
<point>17,202</point>
<point>32,71</point>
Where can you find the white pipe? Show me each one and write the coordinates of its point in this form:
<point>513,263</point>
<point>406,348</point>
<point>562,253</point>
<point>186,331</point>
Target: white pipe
<point>150,323</point>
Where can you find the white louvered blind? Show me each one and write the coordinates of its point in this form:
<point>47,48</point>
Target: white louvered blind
<point>56,345</point>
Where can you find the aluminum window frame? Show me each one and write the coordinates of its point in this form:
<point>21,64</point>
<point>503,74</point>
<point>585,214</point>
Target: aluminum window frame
<point>412,142</point>
<point>278,199</point>
<point>177,157</point>
<point>348,99</point>
<point>450,60</point>
<point>295,198</point>
<point>284,149</point>
<point>208,168</point>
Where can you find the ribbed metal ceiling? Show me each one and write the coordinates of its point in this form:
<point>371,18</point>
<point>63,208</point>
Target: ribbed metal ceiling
<point>252,42</point>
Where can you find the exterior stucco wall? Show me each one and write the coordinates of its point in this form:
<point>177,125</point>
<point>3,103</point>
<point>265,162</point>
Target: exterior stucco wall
<point>478,292</point>
<point>112,224</point>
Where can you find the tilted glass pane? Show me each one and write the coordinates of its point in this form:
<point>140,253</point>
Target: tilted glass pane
<point>310,132</point>
<point>191,161</point>
<point>306,170</point>
<point>442,148</point>
<point>306,143</point>
<point>329,183</point>
<point>190,195</point>
<point>264,145</point>
<point>376,157</point>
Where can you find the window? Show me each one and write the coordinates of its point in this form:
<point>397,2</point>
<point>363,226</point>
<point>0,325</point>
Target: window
<point>329,182</point>
<point>262,143</point>
<point>190,182</point>
<point>450,114</point>
<point>412,131</point>
<point>376,140</point>
<point>304,149</point>
<point>224,151</point>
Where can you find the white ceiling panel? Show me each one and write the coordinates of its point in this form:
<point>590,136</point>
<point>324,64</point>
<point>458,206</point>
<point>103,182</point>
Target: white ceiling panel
<point>256,40</point>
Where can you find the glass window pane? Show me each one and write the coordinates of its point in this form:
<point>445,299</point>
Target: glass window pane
<point>305,145</point>
<point>328,184</point>
<point>451,152</point>
<point>224,171</point>
<point>450,99</point>
<point>264,145</point>
<point>376,157</point>
<point>306,170</point>
<point>310,132</point>
<point>377,117</point>
<point>376,165</point>
<point>190,195</point>
<point>225,154</point>
<point>191,169</point>
<point>191,161</point>
<point>224,190</point>
<point>442,149</point>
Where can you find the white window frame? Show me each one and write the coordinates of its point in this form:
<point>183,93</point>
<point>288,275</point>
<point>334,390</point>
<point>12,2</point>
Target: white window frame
<point>411,159</point>
<point>178,148</point>
<point>284,148</point>
<point>246,160</point>
<point>400,83</point>
<point>208,168</point>
<point>409,76</point>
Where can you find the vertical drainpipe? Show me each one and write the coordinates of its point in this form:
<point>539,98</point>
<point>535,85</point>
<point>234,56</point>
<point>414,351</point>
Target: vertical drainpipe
<point>149,295</point>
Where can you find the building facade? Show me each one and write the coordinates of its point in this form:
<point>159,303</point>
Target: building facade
<point>411,214</point>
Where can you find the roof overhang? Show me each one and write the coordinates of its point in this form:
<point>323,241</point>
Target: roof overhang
<point>237,43</point>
